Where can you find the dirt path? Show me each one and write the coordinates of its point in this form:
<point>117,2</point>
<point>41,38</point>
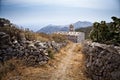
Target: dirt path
<point>70,67</point>
<point>67,65</point>
<point>61,72</point>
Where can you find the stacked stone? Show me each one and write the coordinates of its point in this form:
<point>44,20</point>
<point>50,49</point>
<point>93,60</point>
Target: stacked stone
<point>102,61</point>
<point>31,52</point>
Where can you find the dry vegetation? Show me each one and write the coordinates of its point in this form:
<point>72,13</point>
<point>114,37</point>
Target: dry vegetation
<point>74,67</point>
<point>18,32</point>
<point>69,58</point>
<point>78,48</point>
<point>10,67</point>
<point>15,67</point>
<point>27,73</point>
<point>59,38</point>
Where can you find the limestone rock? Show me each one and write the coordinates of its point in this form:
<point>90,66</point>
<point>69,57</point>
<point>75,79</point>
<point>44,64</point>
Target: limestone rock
<point>102,61</point>
<point>30,52</point>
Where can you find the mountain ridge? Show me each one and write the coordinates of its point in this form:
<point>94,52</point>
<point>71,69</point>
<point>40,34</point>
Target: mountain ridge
<point>55,28</point>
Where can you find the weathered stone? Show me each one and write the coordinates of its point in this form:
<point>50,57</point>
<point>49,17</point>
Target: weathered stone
<point>42,62</point>
<point>4,39</point>
<point>102,61</point>
<point>30,52</point>
<point>46,54</point>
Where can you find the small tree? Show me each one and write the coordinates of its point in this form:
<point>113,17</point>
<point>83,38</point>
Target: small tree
<point>106,33</point>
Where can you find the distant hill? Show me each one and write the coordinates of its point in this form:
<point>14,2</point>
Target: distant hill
<point>80,24</point>
<point>54,28</point>
<point>49,29</point>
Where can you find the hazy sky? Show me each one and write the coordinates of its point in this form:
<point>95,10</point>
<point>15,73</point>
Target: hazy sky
<point>58,12</point>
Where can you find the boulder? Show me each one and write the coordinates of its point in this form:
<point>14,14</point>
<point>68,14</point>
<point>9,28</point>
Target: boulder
<point>4,40</point>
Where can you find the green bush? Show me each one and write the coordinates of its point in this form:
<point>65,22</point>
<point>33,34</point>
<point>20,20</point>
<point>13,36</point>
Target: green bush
<point>51,53</point>
<point>106,33</point>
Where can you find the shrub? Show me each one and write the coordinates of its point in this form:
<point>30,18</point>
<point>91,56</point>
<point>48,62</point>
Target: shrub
<point>51,53</point>
<point>19,33</point>
<point>59,38</point>
<point>5,68</point>
<point>106,33</point>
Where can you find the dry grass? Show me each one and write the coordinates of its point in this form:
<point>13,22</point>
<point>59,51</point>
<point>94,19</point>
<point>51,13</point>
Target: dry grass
<point>34,73</point>
<point>10,68</point>
<point>59,38</point>
<point>71,66</point>
<point>17,33</point>
<point>78,48</point>
<point>75,69</point>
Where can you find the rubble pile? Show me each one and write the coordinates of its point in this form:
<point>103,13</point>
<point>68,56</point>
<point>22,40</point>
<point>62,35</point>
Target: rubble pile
<point>102,61</point>
<point>31,52</point>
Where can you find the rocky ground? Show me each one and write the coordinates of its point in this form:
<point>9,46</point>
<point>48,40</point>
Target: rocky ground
<point>68,64</point>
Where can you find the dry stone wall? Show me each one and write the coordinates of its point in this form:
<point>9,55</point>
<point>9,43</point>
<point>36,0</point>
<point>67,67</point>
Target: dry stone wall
<point>30,52</point>
<point>102,61</point>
